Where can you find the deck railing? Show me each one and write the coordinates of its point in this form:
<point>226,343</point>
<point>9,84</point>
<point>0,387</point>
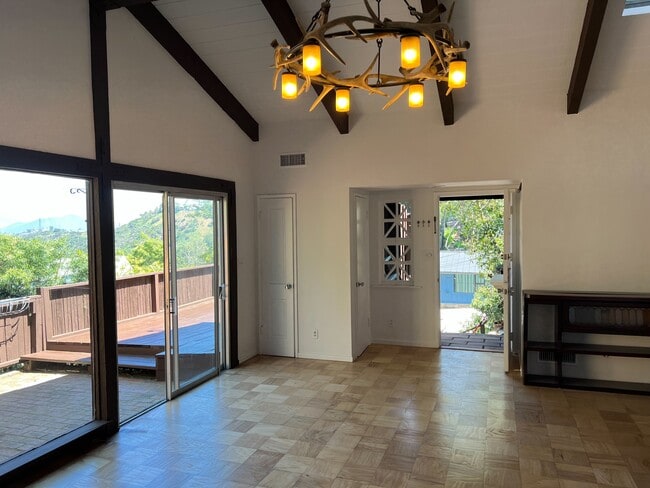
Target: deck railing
<point>61,310</point>
<point>20,332</point>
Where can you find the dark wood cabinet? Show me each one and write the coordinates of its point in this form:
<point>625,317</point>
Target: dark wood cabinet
<point>597,341</point>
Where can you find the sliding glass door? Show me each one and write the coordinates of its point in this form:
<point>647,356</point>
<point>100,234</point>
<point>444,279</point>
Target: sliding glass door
<point>170,293</point>
<point>196,282</point>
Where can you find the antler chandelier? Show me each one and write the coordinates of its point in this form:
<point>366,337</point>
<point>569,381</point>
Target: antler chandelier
<point>303,60</point>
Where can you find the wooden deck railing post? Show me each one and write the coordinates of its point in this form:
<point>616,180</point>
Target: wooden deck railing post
<point>48,321</point>
<point>154,292</point>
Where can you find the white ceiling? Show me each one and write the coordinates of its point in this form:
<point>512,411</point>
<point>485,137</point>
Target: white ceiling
<point>519,50</point>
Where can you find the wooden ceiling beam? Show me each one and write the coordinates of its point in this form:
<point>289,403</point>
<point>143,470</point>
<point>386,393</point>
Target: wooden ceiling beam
<point>286,22</point>
<point>114,4</point>
<point>446,101</point>
<point>160,28</point>
<point>586,49</point>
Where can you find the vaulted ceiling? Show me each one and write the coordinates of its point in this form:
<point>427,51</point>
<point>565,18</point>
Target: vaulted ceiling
<point>521,51</point>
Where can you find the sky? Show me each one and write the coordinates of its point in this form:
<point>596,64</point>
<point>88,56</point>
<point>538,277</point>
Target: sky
<point>25,197</point>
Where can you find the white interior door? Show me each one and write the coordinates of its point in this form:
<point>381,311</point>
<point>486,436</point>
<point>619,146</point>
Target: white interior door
<point>276,269</point>
<point>362,276</point>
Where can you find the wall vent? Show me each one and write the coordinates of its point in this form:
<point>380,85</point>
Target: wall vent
<point>297,159</point>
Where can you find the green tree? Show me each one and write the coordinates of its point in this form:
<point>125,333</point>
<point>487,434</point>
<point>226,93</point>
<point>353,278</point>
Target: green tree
<point>147,256</point>
<point>26,264</point>
<point>477,226</point>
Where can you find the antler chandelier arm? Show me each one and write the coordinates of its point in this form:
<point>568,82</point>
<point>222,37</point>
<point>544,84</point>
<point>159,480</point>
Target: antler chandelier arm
<point>439,35</point>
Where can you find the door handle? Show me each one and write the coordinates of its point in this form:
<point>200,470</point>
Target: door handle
<point>360,284</point>
<point>172,306</point>
<point>288,286</point>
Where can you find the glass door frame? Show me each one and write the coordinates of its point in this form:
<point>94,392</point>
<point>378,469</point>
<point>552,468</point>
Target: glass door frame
<point>222,303</point>
<point>219,287</point>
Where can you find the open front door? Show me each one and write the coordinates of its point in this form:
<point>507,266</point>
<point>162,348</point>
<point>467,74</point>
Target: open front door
<point>475,271</point>
<point>362,336</point>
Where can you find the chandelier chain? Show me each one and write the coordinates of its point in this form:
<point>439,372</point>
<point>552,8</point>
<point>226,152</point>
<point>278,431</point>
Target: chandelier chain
<point>380,42</point>
<point>324,6</point>
<point>412,10</point>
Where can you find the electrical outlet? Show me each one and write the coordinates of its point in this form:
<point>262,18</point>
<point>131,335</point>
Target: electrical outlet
<point>390,322</point>
<point>314,334</point>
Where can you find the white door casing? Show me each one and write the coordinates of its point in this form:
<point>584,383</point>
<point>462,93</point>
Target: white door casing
<point>276,251</point>
<point>361,283</point>
<point>507,271</point>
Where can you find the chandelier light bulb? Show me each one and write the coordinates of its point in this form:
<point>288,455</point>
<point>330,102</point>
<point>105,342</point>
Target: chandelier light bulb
<point>289,86</point>
<point>410,47</point>
<point>311,63</point>
<point>457,74</point>
<point>416,95</point>
<point>342,100</point>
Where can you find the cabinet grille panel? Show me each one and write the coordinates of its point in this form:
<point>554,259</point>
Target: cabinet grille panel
<point>549,357</point>
<point>546,356</point>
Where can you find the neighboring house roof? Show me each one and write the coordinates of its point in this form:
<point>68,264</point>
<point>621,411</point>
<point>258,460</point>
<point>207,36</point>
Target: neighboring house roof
<point>453,262</point>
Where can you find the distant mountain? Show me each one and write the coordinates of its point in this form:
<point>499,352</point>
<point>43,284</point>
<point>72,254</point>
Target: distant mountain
<point>71,223</point>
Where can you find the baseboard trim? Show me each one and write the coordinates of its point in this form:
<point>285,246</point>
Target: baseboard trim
<point>325,357</point>
<point>394,342</point>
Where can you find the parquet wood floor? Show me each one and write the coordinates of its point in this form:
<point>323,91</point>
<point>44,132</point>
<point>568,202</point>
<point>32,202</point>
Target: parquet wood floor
<point>399,417</point>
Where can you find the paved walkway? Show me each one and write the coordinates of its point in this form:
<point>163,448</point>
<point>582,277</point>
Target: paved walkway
<point>38,407</point>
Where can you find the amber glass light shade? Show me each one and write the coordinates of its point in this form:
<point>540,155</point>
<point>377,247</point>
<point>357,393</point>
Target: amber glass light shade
<point>457,74</point>
<point>416,95</point>
<point>289,86</point>
<point>410,46</point>
<point>311,60</point>
<point>342,100</point>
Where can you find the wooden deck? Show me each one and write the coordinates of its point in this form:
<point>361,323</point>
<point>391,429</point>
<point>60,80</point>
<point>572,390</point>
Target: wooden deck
<point>141,340</point>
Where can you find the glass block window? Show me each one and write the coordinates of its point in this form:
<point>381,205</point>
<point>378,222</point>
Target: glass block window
<point>397,242</point>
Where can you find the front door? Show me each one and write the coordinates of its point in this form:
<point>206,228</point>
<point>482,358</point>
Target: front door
<point>276,270</point>
<point>362,336</point>
<point>474,268</point>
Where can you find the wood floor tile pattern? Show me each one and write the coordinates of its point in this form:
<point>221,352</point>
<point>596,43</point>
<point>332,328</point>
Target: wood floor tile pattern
<point>399,417</point>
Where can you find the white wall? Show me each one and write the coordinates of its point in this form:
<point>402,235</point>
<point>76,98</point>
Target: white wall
<point>45,93</point>
<point>584,198</point>
<point>160,117</point>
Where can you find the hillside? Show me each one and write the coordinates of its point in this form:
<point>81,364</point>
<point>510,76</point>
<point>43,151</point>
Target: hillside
<point>194,233</point>
<point>72,223</point>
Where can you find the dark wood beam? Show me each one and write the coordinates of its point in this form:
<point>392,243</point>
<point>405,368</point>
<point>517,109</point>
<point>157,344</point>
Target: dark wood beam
<point>160,28</point>
<point>586,49</point>
<point>114,4</point>
<point>286,22</point>
<point>446,101</point>
<point>102,239</point>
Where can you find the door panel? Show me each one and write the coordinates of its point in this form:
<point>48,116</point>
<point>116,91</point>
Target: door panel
<point>194,281</point>
<point>362,281</point>
<point>276,265</point>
